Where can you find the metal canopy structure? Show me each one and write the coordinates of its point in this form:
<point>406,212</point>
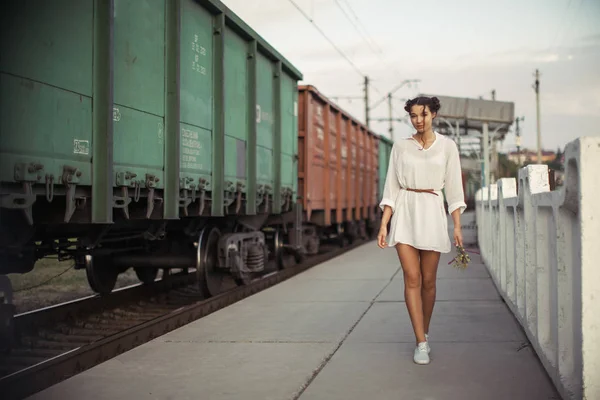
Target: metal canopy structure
<point>471,114</point>
<point>467,119</point>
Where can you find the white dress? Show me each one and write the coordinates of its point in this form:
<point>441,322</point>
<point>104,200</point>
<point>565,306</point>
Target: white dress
<point>419,219</point>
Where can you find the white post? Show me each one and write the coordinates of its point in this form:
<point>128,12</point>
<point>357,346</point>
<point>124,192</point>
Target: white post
<point>486,156</point>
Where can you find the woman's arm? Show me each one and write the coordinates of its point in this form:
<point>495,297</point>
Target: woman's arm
<point>455,195</point>
<point>387,215</point>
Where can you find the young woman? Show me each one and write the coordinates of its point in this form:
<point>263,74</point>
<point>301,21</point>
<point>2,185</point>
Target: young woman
<point>420,167</point>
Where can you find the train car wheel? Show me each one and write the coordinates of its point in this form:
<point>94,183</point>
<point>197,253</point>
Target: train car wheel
<point>209,277</point>
<point>146,275</point>
<point>285,258</point>
<point>101,274</point>
<point>342,240</point>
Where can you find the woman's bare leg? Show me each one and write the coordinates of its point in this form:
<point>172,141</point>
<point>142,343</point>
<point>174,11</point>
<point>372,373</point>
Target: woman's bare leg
<point>409,259</point>
<point>429,266</point>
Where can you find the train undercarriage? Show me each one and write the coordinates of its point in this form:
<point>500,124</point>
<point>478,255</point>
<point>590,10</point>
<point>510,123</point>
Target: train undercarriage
<point>221,250</point>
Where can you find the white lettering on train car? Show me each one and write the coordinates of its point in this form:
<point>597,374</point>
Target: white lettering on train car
<point>190,150</point>
<point>81,146</point>
<point>198,51</point>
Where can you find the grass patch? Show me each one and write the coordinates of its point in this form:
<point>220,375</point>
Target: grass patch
<point>43,287</point>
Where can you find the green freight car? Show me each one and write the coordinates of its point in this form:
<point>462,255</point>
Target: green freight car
<point>147,134</point>
<point>385,149</point>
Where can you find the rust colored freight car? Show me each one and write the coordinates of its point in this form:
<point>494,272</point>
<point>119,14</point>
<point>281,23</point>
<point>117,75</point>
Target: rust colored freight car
<point>338,167</point>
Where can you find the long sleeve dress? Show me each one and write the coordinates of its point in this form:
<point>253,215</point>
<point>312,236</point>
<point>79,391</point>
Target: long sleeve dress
<point>419,218</point>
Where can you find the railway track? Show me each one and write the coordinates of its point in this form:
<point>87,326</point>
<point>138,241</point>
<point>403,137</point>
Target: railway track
<point>59,342</point>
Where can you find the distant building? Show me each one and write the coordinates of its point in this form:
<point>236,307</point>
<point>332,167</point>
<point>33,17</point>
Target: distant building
<point>531,157</point>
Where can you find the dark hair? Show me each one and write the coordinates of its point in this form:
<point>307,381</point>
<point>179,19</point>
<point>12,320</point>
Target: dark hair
<point>432,102</point>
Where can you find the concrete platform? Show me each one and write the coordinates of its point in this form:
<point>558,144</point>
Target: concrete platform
<point>337,331</point>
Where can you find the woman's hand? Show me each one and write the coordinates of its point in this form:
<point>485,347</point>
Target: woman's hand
<point>458,241</point>
<point>381,237</point>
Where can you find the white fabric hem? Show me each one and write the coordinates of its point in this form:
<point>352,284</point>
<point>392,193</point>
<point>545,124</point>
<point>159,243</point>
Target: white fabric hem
<point>425,248</point>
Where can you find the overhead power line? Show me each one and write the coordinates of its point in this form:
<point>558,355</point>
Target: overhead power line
<point>327,38</point>
<point>354,22</point>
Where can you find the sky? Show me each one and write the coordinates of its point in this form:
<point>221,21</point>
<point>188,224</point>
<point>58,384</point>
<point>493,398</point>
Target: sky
<point>463,48</point>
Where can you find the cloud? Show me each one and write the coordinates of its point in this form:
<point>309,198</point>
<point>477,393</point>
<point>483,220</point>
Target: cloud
<point>590,39</point>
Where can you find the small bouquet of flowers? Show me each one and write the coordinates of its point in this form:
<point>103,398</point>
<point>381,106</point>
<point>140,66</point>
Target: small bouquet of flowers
<point>462,259</point>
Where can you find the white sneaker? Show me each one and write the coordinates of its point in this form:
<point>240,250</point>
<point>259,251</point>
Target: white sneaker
<point>427,341</point>
<point>421,354</point>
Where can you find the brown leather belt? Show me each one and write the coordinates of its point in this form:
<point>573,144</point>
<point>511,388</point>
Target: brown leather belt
<point>421,191</point>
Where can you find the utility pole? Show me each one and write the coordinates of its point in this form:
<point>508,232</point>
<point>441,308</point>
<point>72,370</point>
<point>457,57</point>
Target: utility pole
<point>518,140</point>
<point>367,101</point>
<point>391,116</point>
<point>536,87</point>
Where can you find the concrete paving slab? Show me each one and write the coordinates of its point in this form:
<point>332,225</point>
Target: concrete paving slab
<point>458,371</point>
<point>328,290</point>
<point>365,262</point>
<point>458,289</point>
<point>455,321</point>
<point>276,322</point>
<point>215,371</point>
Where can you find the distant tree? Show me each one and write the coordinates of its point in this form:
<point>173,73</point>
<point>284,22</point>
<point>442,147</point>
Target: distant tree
<point>507,168</point>
<point>557,164</point>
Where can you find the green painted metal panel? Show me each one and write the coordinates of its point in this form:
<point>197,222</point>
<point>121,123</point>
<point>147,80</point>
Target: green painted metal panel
<point>197,50</point>
<point>251,163</point>
<point>139,55</point>
<point>43,125</point>
<point>196,91</point>
<point>139,76</point>
<point>179,88</point>
<point>236,85</point>
<point>277,133</point>
<point>264,107</point>
<point>289,117</point>
<point>264,158</point>
<point>287,171</point>
<point>49,42</point>
<point>45,87</point>
<point>236,22</point>
<point>289,139</point>
<point>138,140</point>
<point>235,159</point>
<point>236,109</point>
<point>264,120</point>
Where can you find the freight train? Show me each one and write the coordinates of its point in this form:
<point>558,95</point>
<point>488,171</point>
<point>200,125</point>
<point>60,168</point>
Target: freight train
<point>167,134</point>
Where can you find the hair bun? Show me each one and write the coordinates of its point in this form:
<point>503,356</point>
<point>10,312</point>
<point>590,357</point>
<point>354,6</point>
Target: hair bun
<point>435,104</point>
<point>432,102</point>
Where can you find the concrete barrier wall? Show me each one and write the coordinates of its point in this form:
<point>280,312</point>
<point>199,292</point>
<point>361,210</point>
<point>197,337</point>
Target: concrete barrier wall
<point>542,249</point>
